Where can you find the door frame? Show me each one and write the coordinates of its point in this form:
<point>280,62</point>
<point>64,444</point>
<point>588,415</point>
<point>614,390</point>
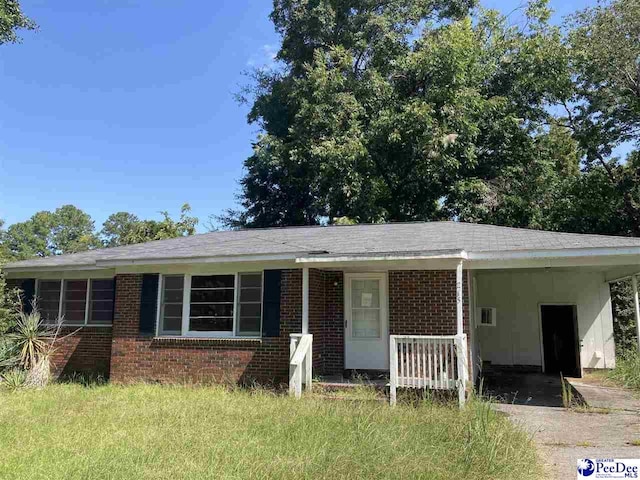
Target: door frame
<point>383,276</point>
<point>575,329</point>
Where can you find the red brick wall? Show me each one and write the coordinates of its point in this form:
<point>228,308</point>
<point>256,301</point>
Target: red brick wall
<point>136,357</point>
<point>80,349</point>
<point>83,350</point>
<point>326,321</point>
<point>423,302</point>
<point>333,344</point>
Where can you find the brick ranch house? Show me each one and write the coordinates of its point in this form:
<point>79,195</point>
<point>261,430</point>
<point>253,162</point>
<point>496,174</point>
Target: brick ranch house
<point>233,305</point>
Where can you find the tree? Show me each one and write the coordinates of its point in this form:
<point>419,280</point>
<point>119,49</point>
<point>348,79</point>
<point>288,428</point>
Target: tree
<point>66,230</point>
<point>12,19</point>
<point>605,47</point>
<point>124,228</point>
<point>117,227</point>
<point>366,122</point>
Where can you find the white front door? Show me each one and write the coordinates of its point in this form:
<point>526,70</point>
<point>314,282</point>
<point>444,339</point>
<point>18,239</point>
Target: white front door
<point>366,336</point>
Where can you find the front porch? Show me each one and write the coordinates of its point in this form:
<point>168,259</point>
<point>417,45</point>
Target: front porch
<point>439,328</point>
<point>409,325</point>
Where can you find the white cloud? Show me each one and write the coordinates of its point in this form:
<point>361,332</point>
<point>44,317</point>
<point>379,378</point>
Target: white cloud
<point>265,58</point>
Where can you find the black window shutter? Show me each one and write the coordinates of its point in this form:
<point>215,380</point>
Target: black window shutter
<point>148,303</point>
<point>271,303</point>
<point>28,288</point>
<point>113,307</point>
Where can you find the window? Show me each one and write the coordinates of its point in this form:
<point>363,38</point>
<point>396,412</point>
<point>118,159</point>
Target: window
<point>250,301</point>
<point>487,316</point>
<point>74,301</point>
<point>219,305</point>
<point>101,304</point>
<point>77,302</point>
<point>365,308</point>
<point>211,308</point>
<point>171,305</point>
<point>49,300</point>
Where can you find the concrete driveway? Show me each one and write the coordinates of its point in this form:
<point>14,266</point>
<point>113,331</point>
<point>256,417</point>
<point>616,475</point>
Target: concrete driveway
<point>563,435</point>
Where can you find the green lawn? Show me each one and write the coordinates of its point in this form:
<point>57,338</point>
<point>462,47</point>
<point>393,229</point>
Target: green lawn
<point>174,432</point>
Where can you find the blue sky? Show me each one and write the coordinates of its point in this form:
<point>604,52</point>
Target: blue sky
<point>129,105</point>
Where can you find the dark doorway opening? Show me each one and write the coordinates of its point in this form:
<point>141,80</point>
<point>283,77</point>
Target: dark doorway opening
<point>560,339</point>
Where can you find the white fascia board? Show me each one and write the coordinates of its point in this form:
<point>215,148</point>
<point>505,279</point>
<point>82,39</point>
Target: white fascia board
<point>194,260</point>
<point>555,253</point>
<point>51,268</point>
<point>379,258</point>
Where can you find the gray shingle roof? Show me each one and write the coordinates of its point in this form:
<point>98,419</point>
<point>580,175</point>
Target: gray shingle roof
<point>407,238</point>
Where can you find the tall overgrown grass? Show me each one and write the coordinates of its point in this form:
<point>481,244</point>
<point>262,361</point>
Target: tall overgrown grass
<point>627,371</point>
<point>175,432</point>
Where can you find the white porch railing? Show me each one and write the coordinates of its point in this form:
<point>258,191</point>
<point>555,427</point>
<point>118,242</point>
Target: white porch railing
<point>300,362</point>
<point>424,361</point>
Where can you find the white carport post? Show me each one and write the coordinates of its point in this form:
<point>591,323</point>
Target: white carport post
<point>459,305</point>
<point>308,359</point>
<point>461,341</point>
<point>305,300</point>
<point>636,302</point>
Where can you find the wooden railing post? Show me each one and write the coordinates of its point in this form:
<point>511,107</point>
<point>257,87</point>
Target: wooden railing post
<point>393,369</point>
<point>300,363</point>
<point>308,365</point>
<point>461,347</point>
<point>292,368</point>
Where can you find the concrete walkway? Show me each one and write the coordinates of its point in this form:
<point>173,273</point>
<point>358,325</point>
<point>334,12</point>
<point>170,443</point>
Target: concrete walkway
<point>565,435</point>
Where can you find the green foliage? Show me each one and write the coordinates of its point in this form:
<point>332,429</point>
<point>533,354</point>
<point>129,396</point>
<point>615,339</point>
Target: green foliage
<point>66,230</point>
<point>624,322</point>
<point>117,227</point>
<point>627,371</point>
<point>381,114</point>
<point>151,432</point>
<point>31,338</point>
<point>8,297</point>
<point>606,64</point>
<point>69,230</point>
<point>124,228</point>
<point>12,19</point>
<point>13,379</point>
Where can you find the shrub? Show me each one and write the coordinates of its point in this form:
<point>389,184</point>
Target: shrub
<point>627,371</point>
<point>13,379</point>
<point>32,338</point>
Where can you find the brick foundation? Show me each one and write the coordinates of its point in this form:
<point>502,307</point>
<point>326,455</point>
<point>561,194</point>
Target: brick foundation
<point>83,350</point>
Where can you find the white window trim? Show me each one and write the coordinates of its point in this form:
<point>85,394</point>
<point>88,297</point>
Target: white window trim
<point>237,310</point>
<point>186,308</point>
<point>493,317</point>
<point>87,305</point>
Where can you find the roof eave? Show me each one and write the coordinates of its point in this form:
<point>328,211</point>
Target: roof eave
<point>554,253</point>
<point>381,257</point>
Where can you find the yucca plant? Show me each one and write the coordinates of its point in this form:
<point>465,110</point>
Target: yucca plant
<point>8,355</point>
<point>13,379</point>
<point>31,337</point>
<point>34,342</point>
